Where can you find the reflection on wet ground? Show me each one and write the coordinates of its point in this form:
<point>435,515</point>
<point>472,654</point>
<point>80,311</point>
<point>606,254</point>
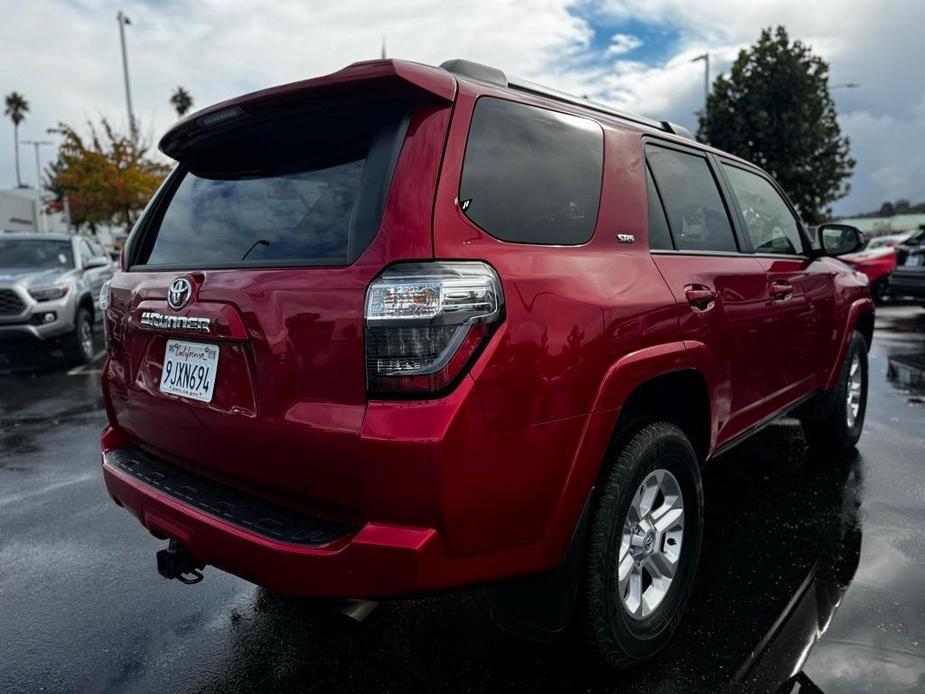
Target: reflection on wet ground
<point>810,580</point>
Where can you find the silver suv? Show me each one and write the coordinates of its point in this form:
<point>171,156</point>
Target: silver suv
<point>49,291</point>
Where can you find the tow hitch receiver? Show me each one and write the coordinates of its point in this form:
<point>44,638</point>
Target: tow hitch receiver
<point>177,562</point>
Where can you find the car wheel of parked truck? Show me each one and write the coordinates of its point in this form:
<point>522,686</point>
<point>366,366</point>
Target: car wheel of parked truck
<point>78,344</point>
<point>643,545</point>
<point>403,329</point>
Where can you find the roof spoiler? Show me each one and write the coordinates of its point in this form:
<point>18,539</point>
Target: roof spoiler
<point>388,78</point>
<point>490,75</point>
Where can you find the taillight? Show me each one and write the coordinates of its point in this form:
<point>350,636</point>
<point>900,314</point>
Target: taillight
<point>426,322</point>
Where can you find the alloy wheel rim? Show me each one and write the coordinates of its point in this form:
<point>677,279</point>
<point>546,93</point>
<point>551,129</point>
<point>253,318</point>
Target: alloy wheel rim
<point>86,338</point>
<point>855,388</point>
<point>650,547</point>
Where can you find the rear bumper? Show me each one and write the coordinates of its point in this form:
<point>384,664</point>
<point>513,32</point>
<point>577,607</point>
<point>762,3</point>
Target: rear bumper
<point>370,561</point>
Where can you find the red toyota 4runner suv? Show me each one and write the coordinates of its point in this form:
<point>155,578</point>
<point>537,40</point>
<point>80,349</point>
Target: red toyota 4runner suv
<point>404,328</point>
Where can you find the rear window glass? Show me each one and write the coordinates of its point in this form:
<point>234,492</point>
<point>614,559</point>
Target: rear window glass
<point>532,175</point>
<point>306,189</point>
<point>696,213</point>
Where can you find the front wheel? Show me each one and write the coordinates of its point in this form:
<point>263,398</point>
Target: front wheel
<point>644,543</point>
<point>78,345</point>
<point>833,421</point>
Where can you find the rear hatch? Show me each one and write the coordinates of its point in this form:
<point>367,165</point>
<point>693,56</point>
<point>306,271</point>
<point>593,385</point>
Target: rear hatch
<point>237,329</point>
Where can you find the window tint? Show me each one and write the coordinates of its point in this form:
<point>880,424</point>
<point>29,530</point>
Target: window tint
<point>659,236</point>
<point>769,223</point>
<point>531,175</point>
<point>306,189</point>
<point>696,214</point>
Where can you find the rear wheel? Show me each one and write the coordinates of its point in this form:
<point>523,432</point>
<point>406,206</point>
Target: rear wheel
<point>832,423</point>
<point>644,542</point>
<point>78,345</point>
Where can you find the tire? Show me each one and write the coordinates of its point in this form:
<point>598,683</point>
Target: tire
<point>880,291</point>
<point>832,425</point>
<point>77,350</point>
<point>618,630</point>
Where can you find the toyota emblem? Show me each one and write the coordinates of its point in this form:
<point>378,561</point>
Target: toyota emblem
<point>179,293</point>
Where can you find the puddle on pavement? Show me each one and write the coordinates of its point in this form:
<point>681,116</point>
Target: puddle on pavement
<point>907,373</point>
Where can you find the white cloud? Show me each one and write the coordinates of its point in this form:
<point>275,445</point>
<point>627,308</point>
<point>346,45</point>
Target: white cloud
<point>623,43</point>
<point>64,56</point>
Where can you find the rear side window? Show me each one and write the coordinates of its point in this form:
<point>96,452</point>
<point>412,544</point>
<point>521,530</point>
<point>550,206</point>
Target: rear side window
<point>299,190</point>
<point>531,175</point>
<point>768,220</point>
<point>696,213</point>
<point>659,236</point>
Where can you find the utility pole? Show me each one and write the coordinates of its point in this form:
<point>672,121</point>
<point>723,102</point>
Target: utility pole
<point>38,167</point>
<point>38,177</point>
<point>705,57</point>
<point>706,78</point>
<point>123,22</point>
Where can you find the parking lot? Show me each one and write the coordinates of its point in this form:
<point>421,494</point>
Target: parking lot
<point>794,551</point>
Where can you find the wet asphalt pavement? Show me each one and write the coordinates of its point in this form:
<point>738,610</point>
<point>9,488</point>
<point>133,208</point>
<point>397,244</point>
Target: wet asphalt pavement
<point>795,552</point>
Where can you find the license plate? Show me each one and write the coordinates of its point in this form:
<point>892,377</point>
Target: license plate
<point>189,370</point>
<point>913,260</point>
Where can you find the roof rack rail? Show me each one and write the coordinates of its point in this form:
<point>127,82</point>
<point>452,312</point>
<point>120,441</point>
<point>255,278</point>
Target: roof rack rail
<point>484,73</point>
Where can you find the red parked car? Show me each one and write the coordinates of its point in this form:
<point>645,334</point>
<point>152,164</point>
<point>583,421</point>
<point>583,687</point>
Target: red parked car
<point>404,328</point>
<point>878,264</point>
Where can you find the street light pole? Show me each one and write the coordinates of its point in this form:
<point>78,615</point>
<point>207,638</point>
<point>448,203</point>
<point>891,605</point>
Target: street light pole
<point>38,176</point>
<point>706,78</point>
<point>705,57</point>
<point>123,22</point>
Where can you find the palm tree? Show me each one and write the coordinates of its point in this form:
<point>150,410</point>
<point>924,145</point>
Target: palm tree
<point>16,108</point>
<point>181,101</point>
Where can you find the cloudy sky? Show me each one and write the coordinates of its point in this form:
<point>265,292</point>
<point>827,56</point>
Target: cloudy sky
<point>64,57</point>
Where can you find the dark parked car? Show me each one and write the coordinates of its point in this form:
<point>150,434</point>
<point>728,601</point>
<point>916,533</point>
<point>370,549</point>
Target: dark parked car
<point>404,328</point>
<point>908,279</point>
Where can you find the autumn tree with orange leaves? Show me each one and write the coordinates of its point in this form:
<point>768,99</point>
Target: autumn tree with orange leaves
<point>107,177</point>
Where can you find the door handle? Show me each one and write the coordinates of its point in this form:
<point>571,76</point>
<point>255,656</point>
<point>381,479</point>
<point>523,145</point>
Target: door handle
<point>781,290</point>
<point>699,297</point>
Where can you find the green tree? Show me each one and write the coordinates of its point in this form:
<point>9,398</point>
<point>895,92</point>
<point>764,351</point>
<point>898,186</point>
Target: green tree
<point>181,101</point>
<point>775,109</point>
<point>16,109</point>
<point>107,177</point>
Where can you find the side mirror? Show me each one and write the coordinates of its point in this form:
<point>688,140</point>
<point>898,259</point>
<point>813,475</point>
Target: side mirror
<point>97,261</point>
<point>839,239</point>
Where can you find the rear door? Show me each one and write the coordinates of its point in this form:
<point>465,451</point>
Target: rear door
<point>802,289</point>
<point>250,269</point>
<point>721,288</point>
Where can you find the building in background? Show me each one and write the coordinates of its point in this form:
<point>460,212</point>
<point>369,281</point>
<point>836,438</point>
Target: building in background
<point>21,209</point>
<point>878,226</point>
